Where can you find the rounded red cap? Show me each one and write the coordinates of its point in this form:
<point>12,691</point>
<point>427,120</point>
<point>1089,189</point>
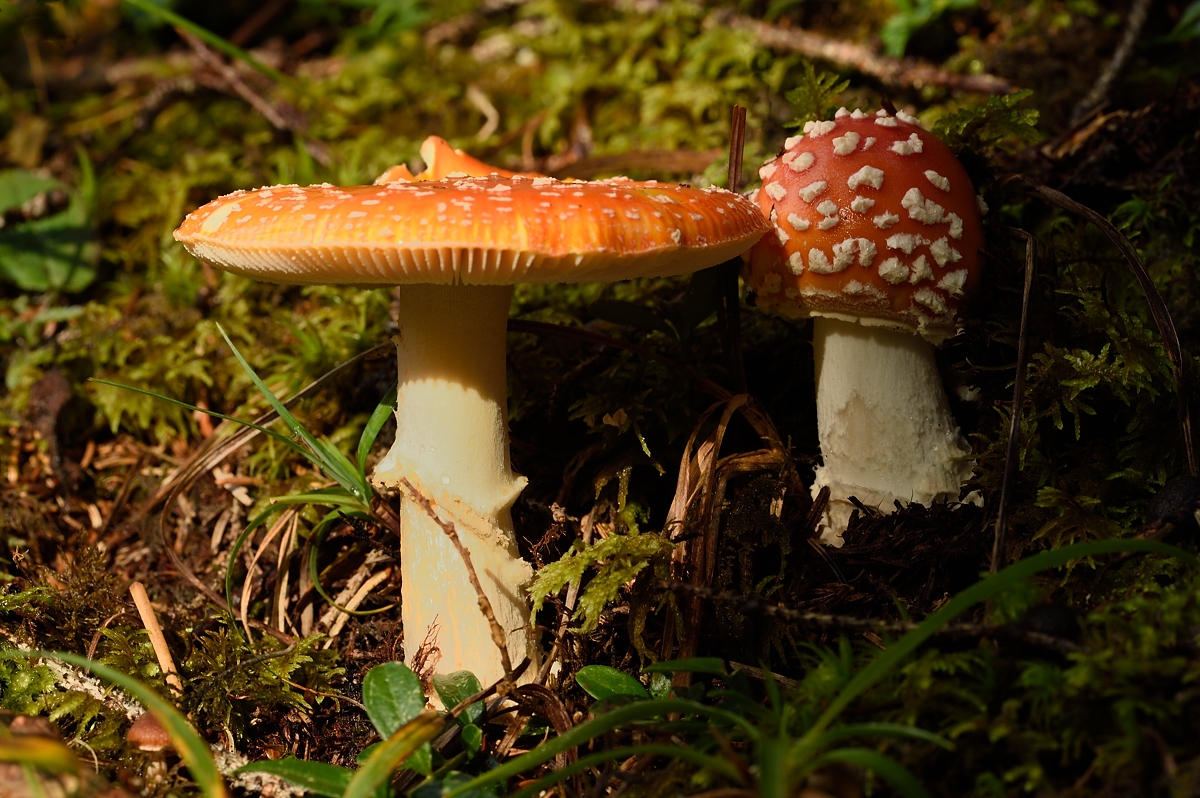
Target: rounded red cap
<point>875,221</point>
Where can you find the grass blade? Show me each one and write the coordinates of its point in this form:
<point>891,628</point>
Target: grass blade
<point>335,464</point>
<point>980,591</point>
<point>392,752</point>
<point>891,771</point>
<point>689,755</point>
<point>194,751</point>
<point>383,411</point>
<point>208,37</point>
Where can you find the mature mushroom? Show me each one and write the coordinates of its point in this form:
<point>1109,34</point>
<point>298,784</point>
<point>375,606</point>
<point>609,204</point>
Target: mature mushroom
<point>455,248</point>
<point>877,236</point>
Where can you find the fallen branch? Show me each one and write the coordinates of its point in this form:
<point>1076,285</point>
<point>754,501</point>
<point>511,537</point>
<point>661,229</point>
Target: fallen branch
<point>907,72</point>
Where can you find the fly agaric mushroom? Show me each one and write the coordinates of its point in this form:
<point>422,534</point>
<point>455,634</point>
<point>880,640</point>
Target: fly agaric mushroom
<point>454,248</point>
<point>877,236</point>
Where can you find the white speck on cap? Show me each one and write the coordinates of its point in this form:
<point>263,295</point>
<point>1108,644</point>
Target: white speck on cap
<point>218,217</point>
<point>841,112</point>
<point>868,174</point>
<point>844,145</point>
<point>923,210</point>
<point>868,144</point>
<point>861,204</point>
<point>676,236</point>
<point>906,242</point>
<point>802,162</point>
<point>827,208</point>
<point>893,271</point>
<point>943,253</point>
<point>913,144</point>
<point>885,220</point>
<point>796,263</point>
<point>812,190</point>
<point>952,282</point>
<point>920,270</point>
<point>792,141</point>
<point>855,288</point>
<point>930,299</point>
<point>782,235</point>
<point>983,206</point>
<point>818,262</point>
<point>767,169</point>
<point>956,226</point>
<point>829,222</point>
<point>817,129</point>
<point>858,113</point>
<point>909,118</point>
<point>543,181</point>
<point>941,182</point>
<point>798,224</point>
<point>885,121</point>
<point>775,191</point>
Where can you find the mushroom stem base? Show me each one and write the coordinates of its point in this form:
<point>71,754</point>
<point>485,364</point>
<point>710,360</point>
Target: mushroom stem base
<point>452,445</point>
<point>884,423</point>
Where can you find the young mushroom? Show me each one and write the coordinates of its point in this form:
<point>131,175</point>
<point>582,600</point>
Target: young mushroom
<point>454,248</point>
<point>877,237</point>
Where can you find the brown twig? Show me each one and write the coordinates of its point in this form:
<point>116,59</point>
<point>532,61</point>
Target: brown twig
<point>888,70</point>
<point>485,605</point>
<point>1014,424</point>
<point>1158,311</point>
<point>1095,97</point>
<point>157,639</point>
<point>729,270</point>
<point>846,623</point>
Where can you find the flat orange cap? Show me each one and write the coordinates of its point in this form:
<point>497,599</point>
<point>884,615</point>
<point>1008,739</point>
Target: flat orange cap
<point>474,230</point>
<point>875,220</point>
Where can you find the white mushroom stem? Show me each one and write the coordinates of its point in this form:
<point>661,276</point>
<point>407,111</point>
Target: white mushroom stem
<point>884,423</point>
<point>452,444</point>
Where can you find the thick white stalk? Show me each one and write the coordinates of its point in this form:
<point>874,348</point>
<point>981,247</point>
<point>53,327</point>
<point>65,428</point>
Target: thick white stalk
<point>884,423</point>
<point>452,443</point>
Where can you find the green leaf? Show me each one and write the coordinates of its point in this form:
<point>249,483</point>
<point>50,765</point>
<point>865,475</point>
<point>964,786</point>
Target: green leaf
<point>454,688</point>
<point>194,751</point>
<point>1188,26</point>
<point>601,681</point>
<point>711,665</point>
<point>315,777</point>
<point>18,186</point>
<point>393,697</point>
<point>816,95</point>
<point>393,752</point>
<point>628,314</point>
<point>472,739</point>
<point>392,694</point>
<point>379,416</point>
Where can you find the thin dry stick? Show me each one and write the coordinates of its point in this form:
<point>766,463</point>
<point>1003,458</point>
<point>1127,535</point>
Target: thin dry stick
<point>358,598</point>
<point>1018,401</point>
<point>142,601</point>
<point>729,270</point>
<point>892,71</point>
<point>1133,29</point>
<point>485,606</point>
<point>1158,311</point>
<point>847,623</point>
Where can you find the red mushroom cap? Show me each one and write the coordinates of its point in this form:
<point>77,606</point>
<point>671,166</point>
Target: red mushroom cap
<point>875,221</point>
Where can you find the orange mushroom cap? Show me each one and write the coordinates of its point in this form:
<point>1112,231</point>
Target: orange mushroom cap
<point>476,230</point>
<point>875,220</point>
